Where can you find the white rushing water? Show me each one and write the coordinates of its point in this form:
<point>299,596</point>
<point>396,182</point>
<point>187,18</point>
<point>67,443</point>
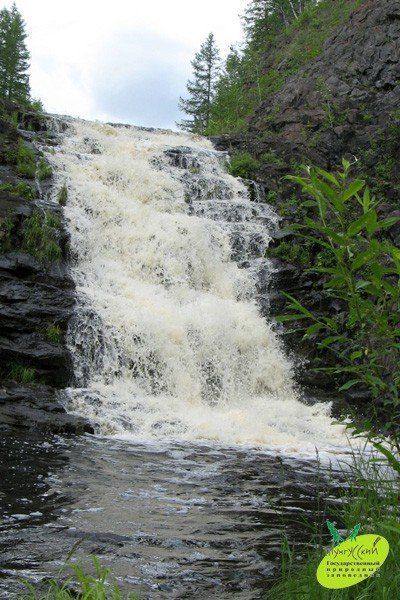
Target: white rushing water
<point>168,340</point>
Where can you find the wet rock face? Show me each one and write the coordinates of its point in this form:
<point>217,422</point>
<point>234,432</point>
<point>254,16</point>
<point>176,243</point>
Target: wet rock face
<point>31,295</point>
<point>37,406</point>
<point>36,303</point>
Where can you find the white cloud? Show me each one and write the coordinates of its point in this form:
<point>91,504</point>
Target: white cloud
<point>122,60</point>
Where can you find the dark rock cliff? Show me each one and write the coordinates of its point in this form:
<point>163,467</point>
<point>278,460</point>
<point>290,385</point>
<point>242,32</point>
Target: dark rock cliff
<point>341,103</point>
<point>36,291</point>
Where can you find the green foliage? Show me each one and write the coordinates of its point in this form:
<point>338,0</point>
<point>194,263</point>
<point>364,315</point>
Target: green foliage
<point>36,105</point>
<point>334,116</point>
<point>40,236</point>
<point>14,56</point>
<point>201,89</point>
<point>26,161</point>
<point>243,165</point>
<point>6,227</point>
<point>272,197</point>
<point>271,158</point>
<point>62,195</point>
<point>13,118</point>
<point>99,586</point>
<point>380,162</point>
<point>20,189</point>
<point>361,271</point>
<point>291,252</point>
<point>54,334</point>
<point>22,374</point>
<point>230,103</point>
<point>307,35</point>
<point>44,170</point>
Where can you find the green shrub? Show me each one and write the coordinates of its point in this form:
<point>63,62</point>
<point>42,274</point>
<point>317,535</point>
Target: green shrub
<point>13,119</point>
<point>40,236</point>
<point>37,106</point>
<point>54,334</point>
<point>272,197</point>
<point>22,374</point>
<point>271,158</point>
<point>62,195</point>
<point>26,161</point>
<point>20,189</point>
<point>44,170</point>
<point>362,270</point>
<point>292,252</point>
<point>243,165</point>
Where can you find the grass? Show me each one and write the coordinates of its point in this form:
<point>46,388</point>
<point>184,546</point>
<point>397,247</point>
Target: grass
<point>21,189</point>
<point>277,55</point>
<point>22,374</point>
<point>62,195</point>
<point>54,334</point>
<point>372,500</point>
<point>82,585</point>
<point>306,36</point>
<point>26,163</point>
<point>26,160</point>
<point>6,227</point>
<point>44,170</point>
<point>243,165</point>
<point>40,236</point>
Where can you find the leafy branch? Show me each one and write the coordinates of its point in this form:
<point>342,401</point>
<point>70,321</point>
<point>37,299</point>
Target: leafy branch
<point>361,271</point>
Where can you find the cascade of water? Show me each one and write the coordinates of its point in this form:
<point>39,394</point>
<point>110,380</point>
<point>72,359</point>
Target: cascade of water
<point>168,341</point>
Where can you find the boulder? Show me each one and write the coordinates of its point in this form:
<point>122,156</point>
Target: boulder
<point>38,406</point>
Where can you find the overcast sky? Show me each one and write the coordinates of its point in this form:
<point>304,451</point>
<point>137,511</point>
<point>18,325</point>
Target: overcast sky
<point>123,60</point>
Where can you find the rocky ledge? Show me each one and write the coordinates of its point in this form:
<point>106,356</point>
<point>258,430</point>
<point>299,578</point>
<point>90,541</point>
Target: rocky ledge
<point>36,292</point>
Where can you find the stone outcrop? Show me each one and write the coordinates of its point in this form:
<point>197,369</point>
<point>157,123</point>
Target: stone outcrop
<point>346,95</point>
<point>38,406</point>
<point>342,102</point>
<point>36,299</point>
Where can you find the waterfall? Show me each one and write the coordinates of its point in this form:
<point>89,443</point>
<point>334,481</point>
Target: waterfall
<point>168,339</point>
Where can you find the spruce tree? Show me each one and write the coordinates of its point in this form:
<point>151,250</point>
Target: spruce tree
<point>14,56</point>
<point>260,14</point>
<point>202,88</point>
<point>229,102</point>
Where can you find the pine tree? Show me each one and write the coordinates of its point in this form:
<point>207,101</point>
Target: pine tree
<point>260,14</point>
<point>202,88</point>
<point>14,56</point>
<point>229,103</point>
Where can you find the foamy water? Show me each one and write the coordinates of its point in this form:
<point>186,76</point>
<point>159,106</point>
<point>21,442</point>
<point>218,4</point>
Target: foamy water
<point>168,341</point>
